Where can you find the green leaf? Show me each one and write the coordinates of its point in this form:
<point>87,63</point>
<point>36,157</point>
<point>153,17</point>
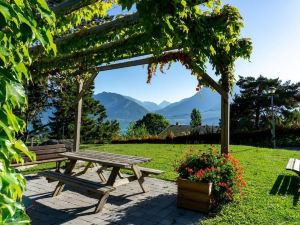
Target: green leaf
<point>19,145</point>
<point>6,129</point>
<point>4,10</point>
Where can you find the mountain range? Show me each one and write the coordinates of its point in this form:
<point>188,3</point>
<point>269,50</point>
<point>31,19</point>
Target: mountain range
<point>126,109</point>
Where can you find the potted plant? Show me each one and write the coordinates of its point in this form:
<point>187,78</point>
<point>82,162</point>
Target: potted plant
<point>207,180</point>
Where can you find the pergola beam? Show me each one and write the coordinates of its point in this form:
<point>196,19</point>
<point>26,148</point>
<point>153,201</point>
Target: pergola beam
<point>68,6</point>
<point>85,32</point>
<point>139,62</point>
<point>76,143</point>
<point>72,5</point>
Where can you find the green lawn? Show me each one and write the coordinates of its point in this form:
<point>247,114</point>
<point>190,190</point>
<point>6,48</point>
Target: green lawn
<point>271,196</point>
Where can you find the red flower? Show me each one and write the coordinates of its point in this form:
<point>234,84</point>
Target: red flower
<point>208,169</point>
<point>222,184</point>
<point>189,170</point>
<point>200,173</point>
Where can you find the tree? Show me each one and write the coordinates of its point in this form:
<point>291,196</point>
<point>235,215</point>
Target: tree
<point>154,123</point>
<point>196,119</point>
<point>39,94</point>
<point>291,118</point>
<point>252,108</point>
<point>94,125</point>
<point>134,131</point>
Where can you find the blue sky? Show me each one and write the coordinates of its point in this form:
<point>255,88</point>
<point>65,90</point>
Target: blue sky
<point>273,25</point>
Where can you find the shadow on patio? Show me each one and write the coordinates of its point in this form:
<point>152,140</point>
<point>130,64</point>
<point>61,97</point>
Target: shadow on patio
<point>125,206</point>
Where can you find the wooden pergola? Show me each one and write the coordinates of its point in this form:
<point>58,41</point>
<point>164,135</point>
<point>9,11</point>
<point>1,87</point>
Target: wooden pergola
<point>84,85</point>
<point>95,62</point>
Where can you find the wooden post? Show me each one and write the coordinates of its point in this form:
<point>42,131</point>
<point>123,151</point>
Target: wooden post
<point>225,122</point>
<point>76,143</point>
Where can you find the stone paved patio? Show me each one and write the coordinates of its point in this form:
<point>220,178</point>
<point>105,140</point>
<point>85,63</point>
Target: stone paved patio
<point>127,205</point>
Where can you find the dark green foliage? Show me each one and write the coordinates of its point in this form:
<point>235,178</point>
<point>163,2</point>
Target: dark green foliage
<point>134,131</point>
<point>196,119</point>
<point>154,123</point>
<point>94,127</point>
<point>252,108</point>
<point>291,118</point>
<point>207,34</point>
<point>39,93</point>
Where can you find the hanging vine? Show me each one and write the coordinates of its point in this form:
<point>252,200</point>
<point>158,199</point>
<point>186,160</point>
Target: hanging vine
<point>210,34</point>
<point>168,58</point>
<point>19,28</point>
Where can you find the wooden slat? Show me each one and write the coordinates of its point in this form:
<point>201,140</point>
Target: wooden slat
<point>193,195</point>
<point>150,171</point>
<point>49,151</point>
<point>48,156</point>
<point>43,157</point>
<point>77,156</point>
<point>78,182</point>
<point>39,162</point>
<point>296,165</point>
<point>44,147</point>
<point>188,185</point>
<point>290,164</point>
<point>106,158</point>
<point>119,156</point>
<point>119,159</point>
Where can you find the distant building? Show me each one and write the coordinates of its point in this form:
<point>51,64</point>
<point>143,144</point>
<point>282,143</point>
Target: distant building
<point>184,130</point>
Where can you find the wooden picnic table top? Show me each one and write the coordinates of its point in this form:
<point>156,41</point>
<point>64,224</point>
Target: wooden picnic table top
<point>104,158</point>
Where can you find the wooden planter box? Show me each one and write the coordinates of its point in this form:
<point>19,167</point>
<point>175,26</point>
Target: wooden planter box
<point>194,196</point>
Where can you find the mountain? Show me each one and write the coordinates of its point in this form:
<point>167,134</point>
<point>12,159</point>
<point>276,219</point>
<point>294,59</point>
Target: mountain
<point>150,106</point>
<point>121,108</point>
<point>206,101</point>
<point>164,104</point>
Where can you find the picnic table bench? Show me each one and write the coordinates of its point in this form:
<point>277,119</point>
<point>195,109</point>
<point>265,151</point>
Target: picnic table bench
<point>104,161</point>
<point>82,184</point>
<point>45,154</point>
<point>294,165</point>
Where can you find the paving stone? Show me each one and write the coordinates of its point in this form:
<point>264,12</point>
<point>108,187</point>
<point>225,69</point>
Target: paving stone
<point>127,205</point>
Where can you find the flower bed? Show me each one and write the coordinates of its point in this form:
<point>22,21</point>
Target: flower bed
<point>221,171</point>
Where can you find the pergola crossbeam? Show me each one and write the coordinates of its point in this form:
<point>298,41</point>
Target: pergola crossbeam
<point>139,62</point>
<point>68,6</point>
<point>100,29</point>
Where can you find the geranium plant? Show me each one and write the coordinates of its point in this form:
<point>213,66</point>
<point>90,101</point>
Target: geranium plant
<point>222,171</point>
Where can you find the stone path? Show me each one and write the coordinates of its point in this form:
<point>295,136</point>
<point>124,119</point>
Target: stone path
<point>126,206</point>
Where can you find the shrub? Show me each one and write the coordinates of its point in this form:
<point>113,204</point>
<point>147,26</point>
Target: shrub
<point>222,171</point>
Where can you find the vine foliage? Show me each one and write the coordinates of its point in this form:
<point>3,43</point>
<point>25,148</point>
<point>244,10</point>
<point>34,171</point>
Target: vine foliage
<point>20,27</point>
<point>207,34</point>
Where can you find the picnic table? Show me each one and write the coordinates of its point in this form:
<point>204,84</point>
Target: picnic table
<point>103,161</point>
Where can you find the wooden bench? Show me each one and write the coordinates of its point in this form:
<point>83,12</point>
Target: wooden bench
<point>81,184</point>
<point>149,171</point>
<point>145,171</point>
<point>294,165</point>
<point>45,154</point>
